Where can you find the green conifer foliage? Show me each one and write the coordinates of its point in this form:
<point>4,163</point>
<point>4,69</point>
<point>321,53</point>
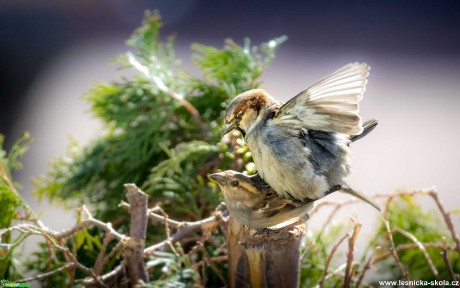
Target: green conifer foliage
<point>162,126</point>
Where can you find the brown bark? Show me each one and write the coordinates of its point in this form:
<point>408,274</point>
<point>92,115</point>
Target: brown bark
<point>268,259</point>
<point>134,252</point>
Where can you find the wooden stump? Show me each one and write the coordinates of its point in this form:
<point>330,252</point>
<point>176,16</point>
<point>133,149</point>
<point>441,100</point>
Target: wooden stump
<point>264,259</point>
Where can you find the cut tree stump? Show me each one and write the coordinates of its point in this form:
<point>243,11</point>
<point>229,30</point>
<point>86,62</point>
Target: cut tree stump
<point>264,259</point>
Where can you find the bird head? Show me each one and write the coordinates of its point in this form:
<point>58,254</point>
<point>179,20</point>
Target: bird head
<point>235,185</point>
<point>244,109</point>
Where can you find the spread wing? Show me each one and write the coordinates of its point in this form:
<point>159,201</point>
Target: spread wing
<point>330,104</point>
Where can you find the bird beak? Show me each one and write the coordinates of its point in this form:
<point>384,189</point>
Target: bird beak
<point>227,128</point>
<point>218,177</point>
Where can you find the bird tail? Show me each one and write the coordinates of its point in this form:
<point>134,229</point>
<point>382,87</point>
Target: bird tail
<point>358,194</point>
<point>368,126</point>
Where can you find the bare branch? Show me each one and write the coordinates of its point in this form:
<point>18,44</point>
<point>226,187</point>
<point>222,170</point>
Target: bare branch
<point>402,247</point>
<point>386,210</point>
<point>349,271</point>
<point>108,279</point>
<point>134,251</point>
<point>307,250</point>
<point>161,218</point>
<point>207,260</point>
<point>113,251</point>
<point>99,265</point>
<point>366,267</point>
<point>67,266</point>
<point>446,215</point>
<point>329,258</point>
<point>335,272</point>
<point>405,275</point>
<point>421,247</point>
<point>341,204</point>
<point>446,259</point>
<point>186,229</point>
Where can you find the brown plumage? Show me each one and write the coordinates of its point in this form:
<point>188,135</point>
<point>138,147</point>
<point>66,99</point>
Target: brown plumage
<point>254,203</point>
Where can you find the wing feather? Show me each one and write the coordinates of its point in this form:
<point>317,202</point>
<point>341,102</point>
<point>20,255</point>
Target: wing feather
<point>331,104</point>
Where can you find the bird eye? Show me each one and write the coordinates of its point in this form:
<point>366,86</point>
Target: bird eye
<point>234,183</point>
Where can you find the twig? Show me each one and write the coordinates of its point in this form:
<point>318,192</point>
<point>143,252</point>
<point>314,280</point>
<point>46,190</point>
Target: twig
<point>329,258</point>
<point>162,86</point>
<point>329,218</point>
<point>349,271</point>
<point>157,217</point>
<point>165,217</point>
<point>90,221</point>
<point>322,203</point>
<point>446,215</point>
<point>184,228</point>
<point>68,259</point>
<point>134,251</point>
<point>335,272</point>
<point>421,247</point>
<point>405,275</point>
<point>52,241</point>
<point>387,206</point>
<point>402,247</point>
<point>72,258</point>
<point>365,268</point>
<point>48,274</point>
<point>446,260</point>
<point>207,260</point>
<point>188,228</point>
<point>99,265</point>
<point>112,252</point>
<point>108,279</point>
<point>307,250</point>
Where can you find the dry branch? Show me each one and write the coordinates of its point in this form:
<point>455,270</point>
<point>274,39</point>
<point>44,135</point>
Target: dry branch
<point>349,271</point>
<point>257,253</point>
<point>67,266</point>
<point>329,258</point>
<point>366,268</point>
<point>404,274</point>
<point>446,215</point>
<point>383,255</point>
<point>134,250</point>
<point>446,260</point>
<point>186,228</point>
<point>99,265</point>
<point>421,247</point>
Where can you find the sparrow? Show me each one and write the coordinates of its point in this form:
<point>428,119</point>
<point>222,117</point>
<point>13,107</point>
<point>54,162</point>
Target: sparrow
<point>255,204</point>
<point>302,148</point>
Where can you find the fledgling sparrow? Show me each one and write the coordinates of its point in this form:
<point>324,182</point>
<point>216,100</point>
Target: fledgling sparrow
<point>301,148</point>
<point>255,204</point>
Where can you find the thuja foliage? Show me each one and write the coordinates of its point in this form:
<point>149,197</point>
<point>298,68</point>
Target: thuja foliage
<point>152,137</point>
<point>161,130</point>
<point>10,200</point>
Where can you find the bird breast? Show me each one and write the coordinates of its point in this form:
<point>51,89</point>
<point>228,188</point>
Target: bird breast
<point>282,161</point>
